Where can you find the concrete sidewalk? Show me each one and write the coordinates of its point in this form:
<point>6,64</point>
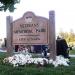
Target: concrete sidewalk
<point>72,55</point>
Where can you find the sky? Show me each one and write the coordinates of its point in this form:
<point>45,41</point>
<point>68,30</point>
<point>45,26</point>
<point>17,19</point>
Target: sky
<point>64,13</point>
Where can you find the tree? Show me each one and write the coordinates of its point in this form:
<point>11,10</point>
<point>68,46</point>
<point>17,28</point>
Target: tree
<point>61,33</point>
<point>8,5</point>
<point>68,36</point>
<point>72,35</point>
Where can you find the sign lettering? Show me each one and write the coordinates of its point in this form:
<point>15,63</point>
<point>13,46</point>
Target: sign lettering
<point>30,30</point>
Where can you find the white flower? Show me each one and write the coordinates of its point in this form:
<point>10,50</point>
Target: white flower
<point>50,61</point>
<point>21,59</point>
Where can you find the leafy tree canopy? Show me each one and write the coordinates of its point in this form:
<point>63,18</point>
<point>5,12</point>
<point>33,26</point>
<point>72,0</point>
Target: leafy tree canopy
<point>8,4</point>
<point>68,36</point>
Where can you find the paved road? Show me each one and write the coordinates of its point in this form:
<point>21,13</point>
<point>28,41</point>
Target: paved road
<point>1,50</point>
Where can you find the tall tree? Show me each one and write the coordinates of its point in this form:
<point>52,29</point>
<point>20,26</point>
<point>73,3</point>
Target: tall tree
<point>8,4</point>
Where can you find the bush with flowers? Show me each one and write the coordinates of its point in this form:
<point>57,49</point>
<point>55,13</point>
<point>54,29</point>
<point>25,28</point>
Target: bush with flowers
<point>24,59</point>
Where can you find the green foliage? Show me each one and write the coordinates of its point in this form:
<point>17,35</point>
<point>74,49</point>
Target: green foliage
<point>3,55</point>
<point>72,52</point>
<point>6,69</point>
<point>8,4</point>
<point>69,36</point>
<point>33,70</point>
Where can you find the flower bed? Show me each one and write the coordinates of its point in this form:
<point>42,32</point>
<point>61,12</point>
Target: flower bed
<point>23,59</point>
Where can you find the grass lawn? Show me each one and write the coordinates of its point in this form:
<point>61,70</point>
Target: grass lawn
<point>72,52</point>
<point>6,69</point>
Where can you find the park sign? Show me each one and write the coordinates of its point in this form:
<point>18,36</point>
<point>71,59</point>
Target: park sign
<point>30,30</point>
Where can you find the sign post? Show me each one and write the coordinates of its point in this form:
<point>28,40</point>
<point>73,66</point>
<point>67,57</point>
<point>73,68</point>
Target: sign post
<point>9,34</point>
<point>52,41</point>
